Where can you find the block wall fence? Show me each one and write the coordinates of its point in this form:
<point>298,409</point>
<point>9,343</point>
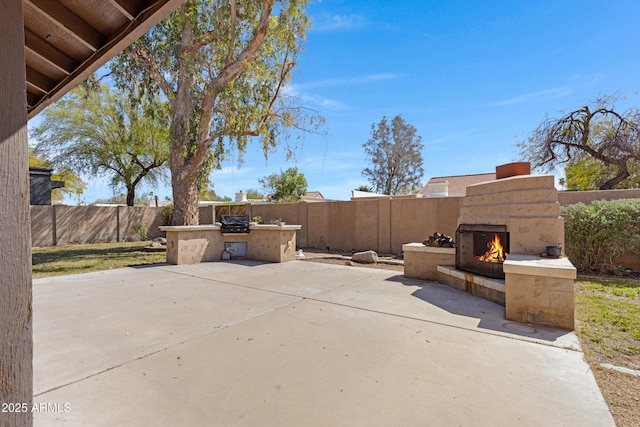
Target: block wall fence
<point>381,224</point>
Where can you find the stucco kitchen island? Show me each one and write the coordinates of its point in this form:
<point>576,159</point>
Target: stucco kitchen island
<point>192,244</point>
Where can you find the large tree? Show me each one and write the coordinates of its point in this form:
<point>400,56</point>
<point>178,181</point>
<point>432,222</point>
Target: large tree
<point>598,131</point>
<point>96,131</point>
<point>222,66</point>
<point>395,152</point>
<point>287,186</point>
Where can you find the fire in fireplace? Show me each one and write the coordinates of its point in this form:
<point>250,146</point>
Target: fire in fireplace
<point>482,249</point>
<point>495,251</point>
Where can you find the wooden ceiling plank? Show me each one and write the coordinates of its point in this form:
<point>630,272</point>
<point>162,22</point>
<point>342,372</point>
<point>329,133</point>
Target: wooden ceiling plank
<point>69,21</point>
<point>39,80</point>
<point>152,12</point>
<point>32,99</point>
<point>49,53</point>
<point>129,8</point>
<point>35,91</point>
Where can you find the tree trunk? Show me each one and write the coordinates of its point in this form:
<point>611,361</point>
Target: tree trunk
<point>185,192</point>
<point>16,348</point>
<point>184,168</point>
<point>131,196</point>
<point>623,173</point>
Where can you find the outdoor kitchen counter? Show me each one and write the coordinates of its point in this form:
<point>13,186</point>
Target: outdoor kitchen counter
<point>192,244</point>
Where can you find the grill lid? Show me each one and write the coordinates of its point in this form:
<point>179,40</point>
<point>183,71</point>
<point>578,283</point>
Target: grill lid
<point>241,220</point>
<point>234,223</point>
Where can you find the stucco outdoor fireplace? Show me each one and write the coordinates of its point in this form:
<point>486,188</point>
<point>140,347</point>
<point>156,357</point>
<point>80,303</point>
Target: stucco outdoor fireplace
<point>504,228</point>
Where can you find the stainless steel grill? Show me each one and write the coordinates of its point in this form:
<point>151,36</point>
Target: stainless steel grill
<point>234,223</point>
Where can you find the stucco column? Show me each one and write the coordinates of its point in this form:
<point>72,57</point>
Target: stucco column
<point>16,347</point>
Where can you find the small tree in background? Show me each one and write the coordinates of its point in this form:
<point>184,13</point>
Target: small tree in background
<point>209,194</point>
<point>365,188</point>
<point>395,152</point>
<point>121,199</point>
<point>254,194</point>
<point>287,186</point>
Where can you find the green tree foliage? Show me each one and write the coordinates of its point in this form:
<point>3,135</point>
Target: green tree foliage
<point>598,232</point>
<point>253,194</point>
<point>121,199</point>
<point>365,188</point>
<point>96,131</point>
<point>395,152</point>
<point>586,173</point>
<point>222,66</point>
<point>210,194</point>
<point>287,186</point>
<point>73,184</point>
<point>609,137</point>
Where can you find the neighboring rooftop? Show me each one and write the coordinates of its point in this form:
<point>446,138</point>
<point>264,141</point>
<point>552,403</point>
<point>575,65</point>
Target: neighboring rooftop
<point>453,186</point>
<point>312,195</point>
<point>357,194</point>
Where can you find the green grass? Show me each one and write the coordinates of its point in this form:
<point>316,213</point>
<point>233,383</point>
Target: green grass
<point>608,315</point>
<point>58,260</point>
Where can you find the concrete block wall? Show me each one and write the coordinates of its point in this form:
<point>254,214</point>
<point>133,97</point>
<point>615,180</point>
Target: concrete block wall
<point>85,224</point>
<point>65,225</point>
<point>382,224</point>
<point>572,197</point>
<point>42,226</point>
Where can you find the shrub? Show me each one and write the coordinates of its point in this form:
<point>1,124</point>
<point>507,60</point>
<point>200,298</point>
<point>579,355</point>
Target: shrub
<point>167,214</point>
<point>600,231</point>
<point>141,229</point>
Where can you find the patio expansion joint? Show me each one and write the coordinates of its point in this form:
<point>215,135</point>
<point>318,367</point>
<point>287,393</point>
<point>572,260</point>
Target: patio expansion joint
<point>162,350</point>
<point>324,301</point>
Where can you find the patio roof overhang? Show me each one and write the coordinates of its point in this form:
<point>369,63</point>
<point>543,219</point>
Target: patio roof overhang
<point>65,41</point>
<point>58,43</point>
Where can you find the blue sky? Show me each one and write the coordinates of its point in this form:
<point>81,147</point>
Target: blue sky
<point>474,78</point>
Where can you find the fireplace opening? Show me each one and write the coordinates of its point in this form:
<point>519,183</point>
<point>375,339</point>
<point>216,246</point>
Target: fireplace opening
<point>482,249</point>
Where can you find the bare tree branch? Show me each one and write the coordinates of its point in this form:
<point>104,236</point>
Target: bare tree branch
<point>231,70</point>
<point>602,133</point>
<point>139,53</point>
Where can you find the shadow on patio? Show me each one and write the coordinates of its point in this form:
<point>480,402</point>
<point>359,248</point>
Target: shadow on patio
<point>489,314</point>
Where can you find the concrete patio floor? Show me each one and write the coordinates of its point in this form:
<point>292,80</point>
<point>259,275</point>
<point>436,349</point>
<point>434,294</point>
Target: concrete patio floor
<point>295,344</point>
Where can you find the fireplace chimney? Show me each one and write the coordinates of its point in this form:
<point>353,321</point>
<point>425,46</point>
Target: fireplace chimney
<point>513,169</point>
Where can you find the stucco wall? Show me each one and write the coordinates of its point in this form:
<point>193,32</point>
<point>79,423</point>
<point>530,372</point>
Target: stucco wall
<point>413,220</point>
<point>130,216</point>
<point>85,224</point>
<point>64,225</point>
<point>382,224</point>
<point>572,197</point>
